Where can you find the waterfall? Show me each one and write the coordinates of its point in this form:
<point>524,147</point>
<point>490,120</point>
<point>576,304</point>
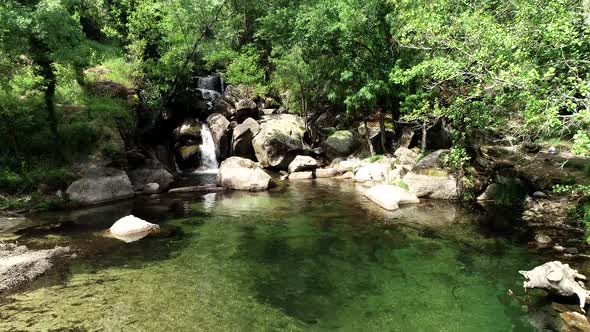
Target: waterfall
<point>207,149</point>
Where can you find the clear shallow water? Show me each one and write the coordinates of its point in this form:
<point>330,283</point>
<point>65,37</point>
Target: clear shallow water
<point>315,257</point>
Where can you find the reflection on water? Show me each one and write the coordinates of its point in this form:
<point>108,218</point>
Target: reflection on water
<point>313,256</point>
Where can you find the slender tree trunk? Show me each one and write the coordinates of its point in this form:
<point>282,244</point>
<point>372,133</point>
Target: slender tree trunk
<point>41,58</point>
<point>368,136</point>
<point>382,129</point>
<point>424,133</point>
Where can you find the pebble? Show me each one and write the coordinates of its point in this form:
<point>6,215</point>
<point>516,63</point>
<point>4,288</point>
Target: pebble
<point>542,238</point>
<point>540,194</point>
<point>553,150</point>
<point>572,251</point>
<point>559,248</point>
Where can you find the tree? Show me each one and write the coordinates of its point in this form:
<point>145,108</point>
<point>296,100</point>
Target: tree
<point>48,33</point>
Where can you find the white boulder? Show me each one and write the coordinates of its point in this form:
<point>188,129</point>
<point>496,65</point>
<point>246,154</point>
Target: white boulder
<point>557,278</point>
<point>390,197</point>
<point>132,226</point>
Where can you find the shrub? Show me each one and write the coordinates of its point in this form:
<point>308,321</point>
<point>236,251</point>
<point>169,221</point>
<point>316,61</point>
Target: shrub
<point>581,144</point>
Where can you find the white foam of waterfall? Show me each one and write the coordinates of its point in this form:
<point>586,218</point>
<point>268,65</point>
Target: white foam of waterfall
<point>207,149</point>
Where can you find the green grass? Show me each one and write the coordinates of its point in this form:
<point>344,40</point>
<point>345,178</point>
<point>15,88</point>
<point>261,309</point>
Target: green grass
<point>375,158</point>
<point>509,193</point>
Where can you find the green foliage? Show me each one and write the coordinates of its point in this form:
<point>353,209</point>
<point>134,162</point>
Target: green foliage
<point>245,69</point>
<point>402,184</point>
<point>375,158</point>
<point>581,144</point>
<point>572,189</point>
<point>35,177</point>
<point>456,158</point>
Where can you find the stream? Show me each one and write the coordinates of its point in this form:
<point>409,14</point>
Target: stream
<point>313,256</point>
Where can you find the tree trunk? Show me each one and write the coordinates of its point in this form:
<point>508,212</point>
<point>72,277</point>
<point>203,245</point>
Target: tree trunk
<point>424,133</point>
<point>368,136</point>
<point>41,58</point>
<point>382,133</point>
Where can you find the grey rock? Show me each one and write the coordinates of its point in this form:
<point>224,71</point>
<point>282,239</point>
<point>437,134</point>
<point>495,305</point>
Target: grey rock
<point>246,108</point>
<point>219,127</point>
<point>279,141</point>
<point>301,176</point>
<point>101,189</point>
<point>302,163</point>
<point>242,138</point>
<point>542,238</point>
<point>243,174</point>
<point>341,144</point>
<point>142,176</point>
<point>151,188</point>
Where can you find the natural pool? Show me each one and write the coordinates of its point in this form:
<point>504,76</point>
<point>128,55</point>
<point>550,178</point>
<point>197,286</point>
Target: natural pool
<point>310,256</point>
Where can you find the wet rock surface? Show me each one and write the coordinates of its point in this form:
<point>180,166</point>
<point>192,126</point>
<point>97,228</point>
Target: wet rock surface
<point>19,264</point>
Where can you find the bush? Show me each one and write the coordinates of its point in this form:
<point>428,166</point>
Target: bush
<point>581,144</point>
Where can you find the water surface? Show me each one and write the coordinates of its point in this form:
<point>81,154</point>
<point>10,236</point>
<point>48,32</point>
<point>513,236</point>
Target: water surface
<point>311,256</point>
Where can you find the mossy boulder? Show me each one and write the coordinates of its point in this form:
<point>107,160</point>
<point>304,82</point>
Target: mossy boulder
<point>342,143</point>
<point>279,141</point>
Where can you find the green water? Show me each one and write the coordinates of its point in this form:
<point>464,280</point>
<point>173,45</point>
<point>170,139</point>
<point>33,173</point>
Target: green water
<point>312,256</point>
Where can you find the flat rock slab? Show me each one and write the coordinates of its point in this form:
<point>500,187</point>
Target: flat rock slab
<point>19,264</point>
<point>197,189</point>
<point>390,197</point>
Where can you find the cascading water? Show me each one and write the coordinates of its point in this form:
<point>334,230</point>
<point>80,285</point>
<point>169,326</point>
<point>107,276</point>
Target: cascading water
<point>207,149</point>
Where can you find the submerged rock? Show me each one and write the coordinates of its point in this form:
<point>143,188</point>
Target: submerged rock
<point>101,189</point>
<point>243,174</point>
<point>19,264</point>
<point>390,197</point>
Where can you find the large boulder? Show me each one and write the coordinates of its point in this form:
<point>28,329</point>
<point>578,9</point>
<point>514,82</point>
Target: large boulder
<point>429,179</point>
<point>246,108</point>
<point>242,174</point>
<point>101,189</point>
<point>233,94</point>
<point>280,139</point>
<point>406,157</point>
<point>219,127</point>
<point>341,144</point>
<point>142,176</point>
<point>188,131</point>
<point>223,107</point>
<point>390,197</point>
<point>302,163</point>
<point>242,138</point>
